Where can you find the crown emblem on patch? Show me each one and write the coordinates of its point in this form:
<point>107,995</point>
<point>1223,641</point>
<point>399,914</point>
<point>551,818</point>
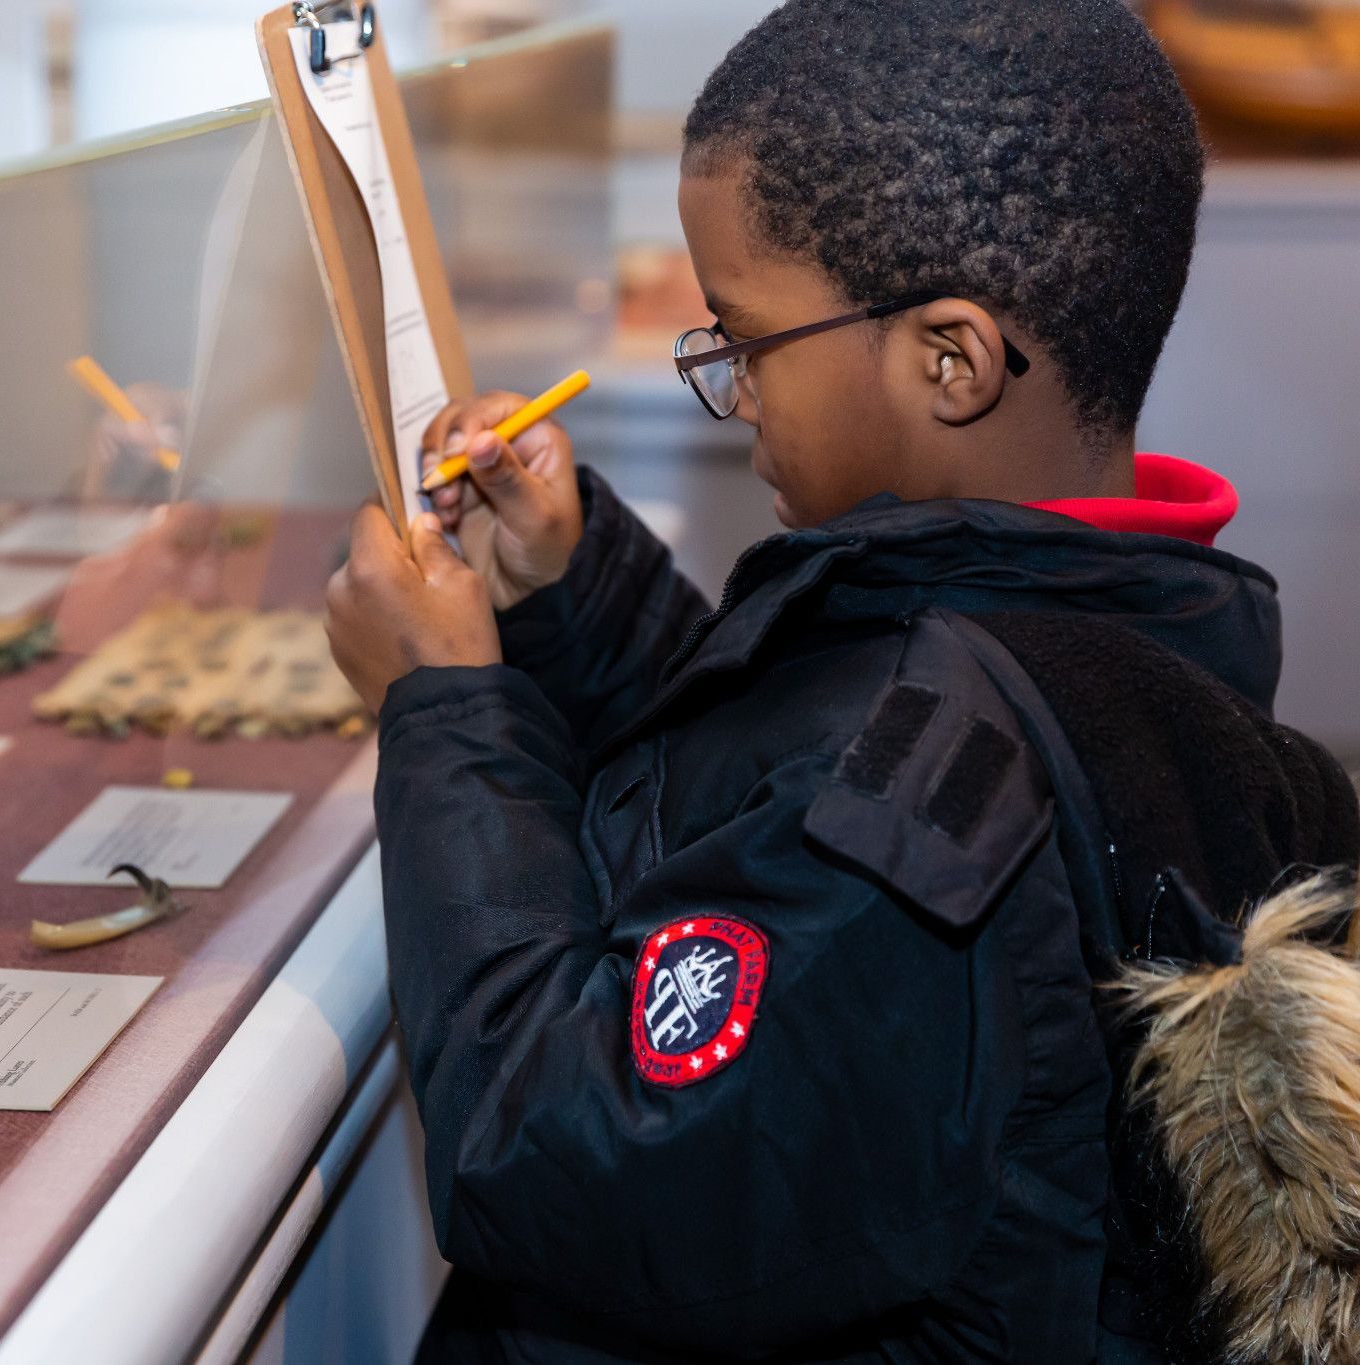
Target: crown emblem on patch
<point>696,985</point>
<point>694,977</point>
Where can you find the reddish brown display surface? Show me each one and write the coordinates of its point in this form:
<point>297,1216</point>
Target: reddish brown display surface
<point>57,1169</point>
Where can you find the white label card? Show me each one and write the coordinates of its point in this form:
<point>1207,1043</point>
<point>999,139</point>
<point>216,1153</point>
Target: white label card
<point>342,98</point>
<point>24,587</point>
<point>189,839</point>
<point>72,532</point>
<point>54,1024</point>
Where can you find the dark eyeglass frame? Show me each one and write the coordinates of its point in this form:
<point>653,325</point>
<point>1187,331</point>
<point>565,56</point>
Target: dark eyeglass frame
<point>1016,361</point>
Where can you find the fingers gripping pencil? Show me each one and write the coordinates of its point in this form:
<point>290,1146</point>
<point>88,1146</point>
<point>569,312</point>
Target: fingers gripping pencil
<point>515,425</point>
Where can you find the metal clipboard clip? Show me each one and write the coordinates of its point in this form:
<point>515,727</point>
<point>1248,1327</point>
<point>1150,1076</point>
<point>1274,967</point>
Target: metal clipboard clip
<point>308,15</point>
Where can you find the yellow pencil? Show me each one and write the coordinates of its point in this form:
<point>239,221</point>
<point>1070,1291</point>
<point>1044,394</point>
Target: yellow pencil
<point>93,379</point>
<point>514,425</point>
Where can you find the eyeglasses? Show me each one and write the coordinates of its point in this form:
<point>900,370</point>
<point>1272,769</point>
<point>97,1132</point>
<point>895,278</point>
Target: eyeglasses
<point>714,370</point>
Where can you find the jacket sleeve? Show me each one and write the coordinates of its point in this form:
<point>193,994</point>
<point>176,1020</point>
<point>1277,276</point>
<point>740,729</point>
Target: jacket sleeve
<point>841,1167</point>
<point>596,640</point>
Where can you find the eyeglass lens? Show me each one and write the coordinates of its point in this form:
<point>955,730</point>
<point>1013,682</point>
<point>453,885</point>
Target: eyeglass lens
<point>716,383</point>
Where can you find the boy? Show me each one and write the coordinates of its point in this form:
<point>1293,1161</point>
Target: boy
<point>745,960</point>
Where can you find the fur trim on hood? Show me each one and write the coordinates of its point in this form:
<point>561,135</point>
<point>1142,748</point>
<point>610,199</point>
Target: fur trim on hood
<point>1251,1078</point>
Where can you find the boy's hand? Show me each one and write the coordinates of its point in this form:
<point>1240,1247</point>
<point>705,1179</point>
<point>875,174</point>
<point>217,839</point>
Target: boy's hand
<point>518,514</point>
<point>388,613</point>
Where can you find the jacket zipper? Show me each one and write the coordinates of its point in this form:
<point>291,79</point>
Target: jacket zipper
<point>725,604</point>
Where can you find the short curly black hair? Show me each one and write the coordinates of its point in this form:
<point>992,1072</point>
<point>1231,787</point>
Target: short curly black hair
<point>1037,155</point>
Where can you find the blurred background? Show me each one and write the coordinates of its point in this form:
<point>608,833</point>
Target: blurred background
<point>563,248</point>
<point>80,69</point>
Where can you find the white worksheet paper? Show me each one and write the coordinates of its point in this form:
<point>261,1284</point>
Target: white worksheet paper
<point>54,1024</point>
<point>190,839</point>
<point>72,532</point>
<point>342,99</point>
<point>24,587</point>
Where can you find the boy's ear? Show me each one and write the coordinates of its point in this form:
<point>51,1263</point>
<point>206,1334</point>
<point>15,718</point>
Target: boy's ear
<point>965,360</point>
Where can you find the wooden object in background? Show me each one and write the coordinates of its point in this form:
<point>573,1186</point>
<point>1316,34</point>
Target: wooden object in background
<point>1284,66</point>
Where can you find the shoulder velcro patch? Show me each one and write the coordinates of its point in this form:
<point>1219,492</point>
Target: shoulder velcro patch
<point>971,780</point>
<point>870,764</point>
<point>939,796</point>
<point>696,986</point>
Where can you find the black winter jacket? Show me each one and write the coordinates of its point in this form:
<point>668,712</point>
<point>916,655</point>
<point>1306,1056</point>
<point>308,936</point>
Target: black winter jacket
<point>740,958</point>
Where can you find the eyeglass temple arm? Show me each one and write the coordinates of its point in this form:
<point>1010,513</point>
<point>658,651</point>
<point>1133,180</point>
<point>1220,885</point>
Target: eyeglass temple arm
<point>1017,362</point>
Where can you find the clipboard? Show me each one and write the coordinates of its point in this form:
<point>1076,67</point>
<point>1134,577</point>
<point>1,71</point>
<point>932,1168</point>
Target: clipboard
<point>342,233</point>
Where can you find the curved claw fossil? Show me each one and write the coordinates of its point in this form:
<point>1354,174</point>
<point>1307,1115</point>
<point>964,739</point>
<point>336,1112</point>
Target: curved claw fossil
<point>158,902</point>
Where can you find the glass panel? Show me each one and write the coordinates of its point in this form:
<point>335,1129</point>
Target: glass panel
<point>179,261</point>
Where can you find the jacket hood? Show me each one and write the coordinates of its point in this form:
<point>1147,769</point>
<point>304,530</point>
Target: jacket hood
<point>1172,497</point>
<point>1248,1075</point>
<point>886,558</point>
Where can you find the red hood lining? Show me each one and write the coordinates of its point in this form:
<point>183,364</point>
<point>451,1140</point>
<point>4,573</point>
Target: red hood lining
<point>1173,497</point>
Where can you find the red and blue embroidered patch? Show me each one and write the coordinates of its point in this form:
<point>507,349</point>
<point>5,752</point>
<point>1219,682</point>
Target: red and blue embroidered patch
<point>696,985</point>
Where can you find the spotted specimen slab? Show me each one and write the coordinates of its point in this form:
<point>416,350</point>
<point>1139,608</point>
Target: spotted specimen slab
<point>218,672</point>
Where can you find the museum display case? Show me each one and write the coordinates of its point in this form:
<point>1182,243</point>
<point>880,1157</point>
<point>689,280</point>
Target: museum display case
<point>179,461</point>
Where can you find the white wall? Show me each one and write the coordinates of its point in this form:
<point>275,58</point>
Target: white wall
<point>24,112</point>
<point>1257,382</point>
<point>142,62</point>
